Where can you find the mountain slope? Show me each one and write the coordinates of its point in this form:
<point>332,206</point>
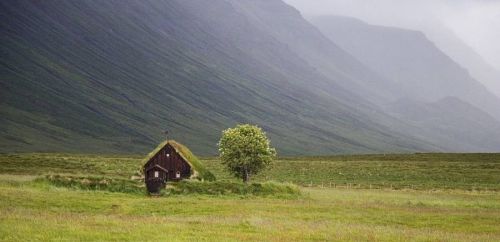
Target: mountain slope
<point>451,121</point>
<point>287,25</point>
<point>465,55</point>
<point>109,76</point>
<point>418,67</point>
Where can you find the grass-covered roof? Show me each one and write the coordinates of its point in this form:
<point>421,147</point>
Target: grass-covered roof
<point>199,171</point>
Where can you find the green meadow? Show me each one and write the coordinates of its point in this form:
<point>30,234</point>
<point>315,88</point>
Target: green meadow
<point>418,197</point>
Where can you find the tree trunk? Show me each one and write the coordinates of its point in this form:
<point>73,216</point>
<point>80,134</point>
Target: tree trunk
<point>246,176</point>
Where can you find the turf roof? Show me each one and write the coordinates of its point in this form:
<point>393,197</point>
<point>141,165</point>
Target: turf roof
<point>199,171</point>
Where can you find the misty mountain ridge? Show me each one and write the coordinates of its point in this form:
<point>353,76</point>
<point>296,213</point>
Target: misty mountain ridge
<point>435,91</point>
<point>93,76</point>
<point>463,54</point>
<point>414,63</point>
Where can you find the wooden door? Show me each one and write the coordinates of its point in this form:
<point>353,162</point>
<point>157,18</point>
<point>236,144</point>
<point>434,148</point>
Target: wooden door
<point>156,178</point>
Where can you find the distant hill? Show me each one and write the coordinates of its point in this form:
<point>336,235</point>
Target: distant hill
<point>109,76</point>
<point>446,40</point>
<point>438,97</point>
<point>420,69</point>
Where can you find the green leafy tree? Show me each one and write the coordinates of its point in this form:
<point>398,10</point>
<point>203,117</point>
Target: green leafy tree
<point>245,150</point>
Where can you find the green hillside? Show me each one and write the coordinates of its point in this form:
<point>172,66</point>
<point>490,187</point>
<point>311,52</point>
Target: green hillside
<point>100,77</point>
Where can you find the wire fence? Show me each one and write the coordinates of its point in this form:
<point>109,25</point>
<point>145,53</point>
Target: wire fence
<point>391,186</point>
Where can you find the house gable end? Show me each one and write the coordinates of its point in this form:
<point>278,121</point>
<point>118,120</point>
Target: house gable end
<point>174,164</point>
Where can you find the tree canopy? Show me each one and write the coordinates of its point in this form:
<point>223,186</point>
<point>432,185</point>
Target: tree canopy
<point>245,150</point>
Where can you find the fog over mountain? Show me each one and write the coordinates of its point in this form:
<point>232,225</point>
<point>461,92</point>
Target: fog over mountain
<point>434,92</point>
<point>416,66</point>
<point>467,31</point>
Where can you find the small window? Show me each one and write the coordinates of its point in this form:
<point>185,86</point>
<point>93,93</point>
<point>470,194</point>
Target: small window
<point>157,174</point>
<point>178,174</point>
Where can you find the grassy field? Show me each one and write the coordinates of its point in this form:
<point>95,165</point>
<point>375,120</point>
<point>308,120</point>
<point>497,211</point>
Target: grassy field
<point>416,171</point>
<point>434,197</point>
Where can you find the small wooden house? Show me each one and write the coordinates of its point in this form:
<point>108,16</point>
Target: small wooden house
<point>172,161</point>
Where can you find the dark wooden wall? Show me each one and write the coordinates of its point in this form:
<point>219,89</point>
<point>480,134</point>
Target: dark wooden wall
<point>173,163</point>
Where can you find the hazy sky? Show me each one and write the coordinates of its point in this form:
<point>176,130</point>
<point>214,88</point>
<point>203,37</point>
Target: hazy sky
<point>476,22</point>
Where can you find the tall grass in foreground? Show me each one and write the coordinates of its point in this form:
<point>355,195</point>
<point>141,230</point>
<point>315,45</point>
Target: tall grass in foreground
<point>44,212</point>
<point>92,198</point>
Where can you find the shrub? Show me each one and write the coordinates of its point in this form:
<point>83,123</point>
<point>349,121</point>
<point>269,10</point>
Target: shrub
<point>267,189</point>
<point>94,183</point>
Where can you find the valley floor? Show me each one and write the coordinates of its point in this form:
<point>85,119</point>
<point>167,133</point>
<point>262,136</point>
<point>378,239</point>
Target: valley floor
<point>49,213</point>
<point>39,211</point>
